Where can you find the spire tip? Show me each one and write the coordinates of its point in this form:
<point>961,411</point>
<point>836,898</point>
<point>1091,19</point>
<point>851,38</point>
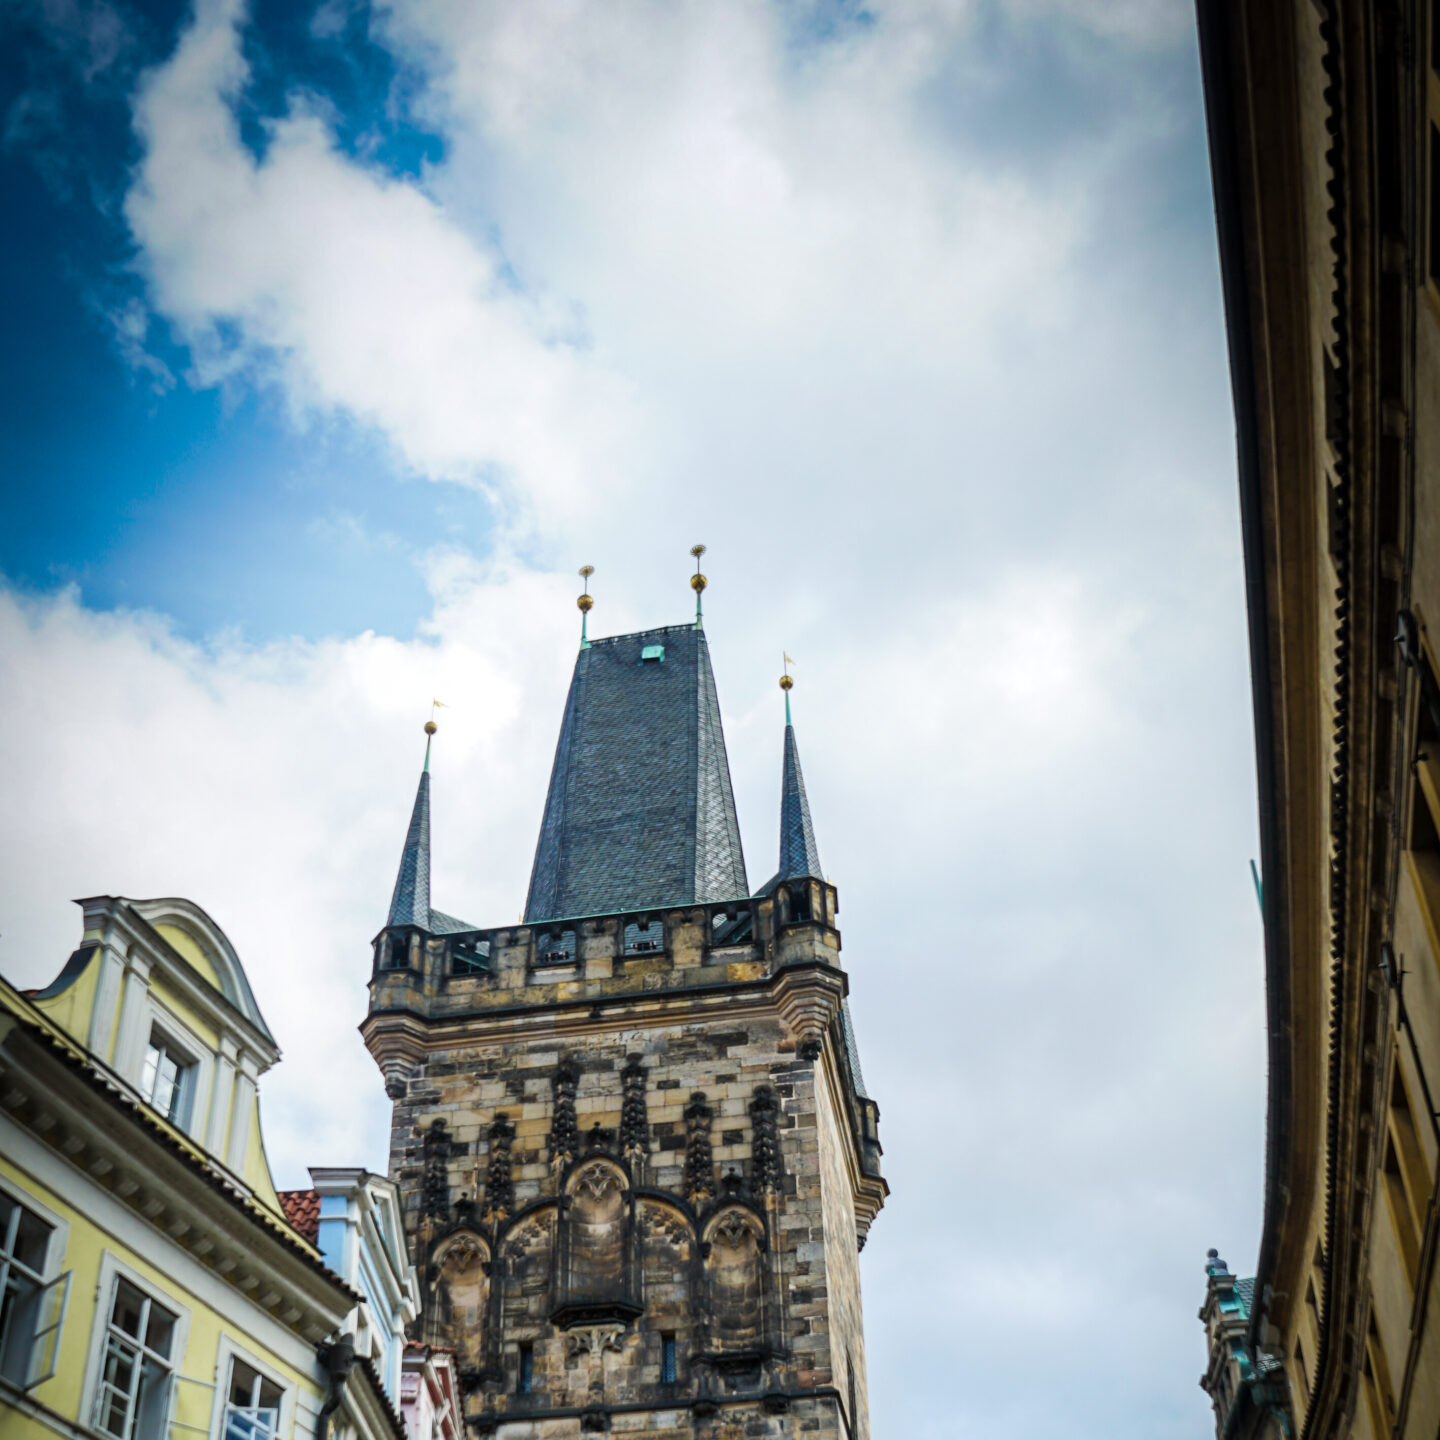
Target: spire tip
<point>697,583</point>
<point>586,602</point>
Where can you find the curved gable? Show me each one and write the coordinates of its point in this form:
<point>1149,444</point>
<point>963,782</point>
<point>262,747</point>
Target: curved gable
<point>206,948</point>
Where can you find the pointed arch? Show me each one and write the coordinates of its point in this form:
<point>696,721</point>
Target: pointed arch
<point>461,1296</point>
<point>734,1249</point>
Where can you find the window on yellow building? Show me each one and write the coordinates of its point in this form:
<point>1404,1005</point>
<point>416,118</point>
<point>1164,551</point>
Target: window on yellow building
<point>168,1080</point>
<point>134,1393</point>
<point>32,1309</point>
<point>252,1411</point>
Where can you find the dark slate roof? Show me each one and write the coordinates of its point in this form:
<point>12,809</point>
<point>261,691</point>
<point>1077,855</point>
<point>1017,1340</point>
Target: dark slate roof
<point>852,1050</point>
<point>443,924</point>
<point>410,904</point>
<point>1246,1288</point>
<point>640,811</point>
<point>799,855</point>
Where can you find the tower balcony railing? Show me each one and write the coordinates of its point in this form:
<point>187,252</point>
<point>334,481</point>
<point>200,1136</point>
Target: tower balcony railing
<point>762,927</point>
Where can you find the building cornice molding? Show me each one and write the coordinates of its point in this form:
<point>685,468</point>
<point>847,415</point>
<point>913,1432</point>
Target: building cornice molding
<point>118,1146</point>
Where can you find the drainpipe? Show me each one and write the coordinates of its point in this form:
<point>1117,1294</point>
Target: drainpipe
<point>336,1358</point>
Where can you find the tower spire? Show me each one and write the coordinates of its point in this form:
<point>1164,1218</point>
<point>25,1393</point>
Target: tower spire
<point>799,854</point>
<point>410,904</point>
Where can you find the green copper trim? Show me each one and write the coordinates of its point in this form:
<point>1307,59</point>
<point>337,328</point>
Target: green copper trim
<point>428,739</point>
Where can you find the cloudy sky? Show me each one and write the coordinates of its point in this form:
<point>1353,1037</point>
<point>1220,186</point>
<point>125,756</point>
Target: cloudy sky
<point>339,335</point>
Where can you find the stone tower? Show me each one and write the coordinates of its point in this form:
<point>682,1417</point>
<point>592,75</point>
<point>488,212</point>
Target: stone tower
<point>637,1156</point>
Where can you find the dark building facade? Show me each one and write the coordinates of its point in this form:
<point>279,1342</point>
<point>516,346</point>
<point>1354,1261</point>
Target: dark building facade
<point>637,1156</point>
<point>1324,123</point>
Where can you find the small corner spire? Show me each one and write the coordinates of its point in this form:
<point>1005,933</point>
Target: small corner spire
<point>799,854</point>
<point>410,902</point>
<point>698,583</point>
<point>586,602</point>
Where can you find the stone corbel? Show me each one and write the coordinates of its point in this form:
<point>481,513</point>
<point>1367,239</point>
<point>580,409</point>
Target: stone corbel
<point>809,996</point>
<point>398,1050</point>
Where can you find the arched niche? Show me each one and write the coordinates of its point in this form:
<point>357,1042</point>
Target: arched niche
<point>462,1293</point>
<point>667,1247</point>
<point>735,1278</point>
<point>596,1272</point>
<point>528,1251</point>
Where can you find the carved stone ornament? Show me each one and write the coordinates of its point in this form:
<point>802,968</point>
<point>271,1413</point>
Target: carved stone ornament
<point>665,1225</point>
<point>564,1129</point>
<point>699,1164</point>
<point>435,1188</point>
<point>634,1117</point>
<point>499,1184</point>
<point>765,1141</point>
<point>734,1230</point>
<point>597,1181</point>
<point>593,1339</point>
<point>461,1255</point>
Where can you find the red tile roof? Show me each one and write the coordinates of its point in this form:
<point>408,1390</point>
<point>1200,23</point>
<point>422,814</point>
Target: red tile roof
<point>302,1210</point>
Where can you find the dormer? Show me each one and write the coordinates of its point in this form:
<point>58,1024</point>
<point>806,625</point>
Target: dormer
<point>158,998</point>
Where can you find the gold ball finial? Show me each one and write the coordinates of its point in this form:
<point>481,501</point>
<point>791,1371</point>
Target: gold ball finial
<point>431,727</point>
<point>587,571</point>
<point>786,683</point>
<point>698,582</point>
<point>586,603</point>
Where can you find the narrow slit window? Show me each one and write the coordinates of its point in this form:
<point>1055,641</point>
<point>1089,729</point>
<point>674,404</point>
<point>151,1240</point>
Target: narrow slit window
<point>667,1359</point>
<point>525,1378</point>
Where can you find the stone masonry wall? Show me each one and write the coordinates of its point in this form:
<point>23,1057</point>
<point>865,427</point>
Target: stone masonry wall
<point>696,1231</point>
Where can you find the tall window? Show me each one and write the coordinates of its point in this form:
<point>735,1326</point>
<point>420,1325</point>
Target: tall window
<point>252,1410</point>
<point>30,1310</point>
<point>526,1378</point>
<point>667,1359</point>
<point>168,1080</point>
<point>134,1388</point>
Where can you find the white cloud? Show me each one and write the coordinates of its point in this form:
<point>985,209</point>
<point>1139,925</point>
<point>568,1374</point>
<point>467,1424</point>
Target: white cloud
<point>353,291</point>
<point>957,434</point>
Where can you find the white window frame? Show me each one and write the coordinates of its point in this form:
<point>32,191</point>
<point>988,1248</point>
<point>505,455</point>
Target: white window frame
<point>55,1250</point>
<point>230,1351</point>
<point>112,1269</point>
<point>199,1054</point>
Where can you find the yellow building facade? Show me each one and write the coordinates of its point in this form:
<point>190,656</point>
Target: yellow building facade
<point>153,1288</point>
<point>1324,123</point>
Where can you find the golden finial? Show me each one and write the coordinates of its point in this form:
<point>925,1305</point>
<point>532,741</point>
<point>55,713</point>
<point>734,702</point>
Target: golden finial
<point>697,584</point>
<point>431,727</point>
<point>787,685</point>
<point>586,602</point>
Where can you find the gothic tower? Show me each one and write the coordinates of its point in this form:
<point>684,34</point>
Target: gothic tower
<point>636,1153</point>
